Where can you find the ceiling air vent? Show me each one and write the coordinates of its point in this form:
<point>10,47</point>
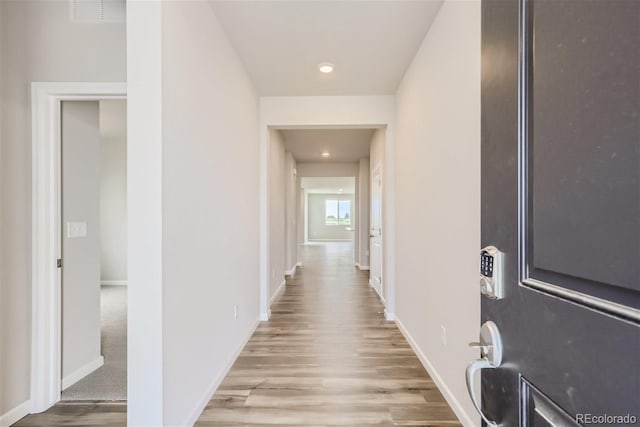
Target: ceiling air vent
<point>98,11</point>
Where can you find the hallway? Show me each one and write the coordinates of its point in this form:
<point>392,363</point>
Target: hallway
<point>327,356</point>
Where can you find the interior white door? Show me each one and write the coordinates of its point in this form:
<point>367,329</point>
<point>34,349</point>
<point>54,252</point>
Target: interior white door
<point>80,240</point>
<point>375,232</point>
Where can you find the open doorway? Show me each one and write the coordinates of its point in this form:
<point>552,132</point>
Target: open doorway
<point>330,219</point>
<point>320,203</point>
<point>330,208</point>
<point>93,202</point>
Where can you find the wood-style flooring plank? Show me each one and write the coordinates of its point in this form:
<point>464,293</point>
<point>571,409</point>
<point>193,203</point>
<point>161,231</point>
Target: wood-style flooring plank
<point>79,413</point>
<point>327,357</point>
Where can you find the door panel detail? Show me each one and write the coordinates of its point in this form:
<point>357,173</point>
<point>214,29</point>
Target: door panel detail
<point>375,233</point>
<point>539,411</point>
<point>570,320</point>
<point>579,152</point>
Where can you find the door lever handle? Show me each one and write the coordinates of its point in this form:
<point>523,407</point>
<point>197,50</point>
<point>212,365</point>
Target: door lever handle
<point>471,370</point>
<point>491,346</point>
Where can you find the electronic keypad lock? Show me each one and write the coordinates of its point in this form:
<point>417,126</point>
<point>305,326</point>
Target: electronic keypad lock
<point>491,272</point>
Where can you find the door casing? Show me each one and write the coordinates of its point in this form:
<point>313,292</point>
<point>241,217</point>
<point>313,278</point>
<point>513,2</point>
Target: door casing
<point>329,112</point>
<point>46,99</point>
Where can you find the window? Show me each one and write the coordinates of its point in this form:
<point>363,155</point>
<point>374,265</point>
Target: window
<point>337,212</point>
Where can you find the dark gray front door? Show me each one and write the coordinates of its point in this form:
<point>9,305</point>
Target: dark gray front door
<point>561,199</point>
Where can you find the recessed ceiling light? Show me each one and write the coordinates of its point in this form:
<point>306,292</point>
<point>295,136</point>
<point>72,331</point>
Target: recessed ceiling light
<point>325,67</point>
<point>325,154</point>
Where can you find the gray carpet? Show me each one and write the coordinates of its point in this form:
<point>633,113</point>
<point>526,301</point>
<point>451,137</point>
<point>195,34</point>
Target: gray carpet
<point>109,382</point>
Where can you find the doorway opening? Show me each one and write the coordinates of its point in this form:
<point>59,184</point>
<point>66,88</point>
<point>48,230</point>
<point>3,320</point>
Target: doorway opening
<point>73,226</point>
<point>320,206</point>
<point>330,217</point>
<point>94,250</point>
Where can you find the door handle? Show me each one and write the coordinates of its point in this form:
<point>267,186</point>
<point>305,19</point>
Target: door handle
<point>490,346</point>
<point>471,370</point>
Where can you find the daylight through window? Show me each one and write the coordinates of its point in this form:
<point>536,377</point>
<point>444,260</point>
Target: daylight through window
<point>337,212</point>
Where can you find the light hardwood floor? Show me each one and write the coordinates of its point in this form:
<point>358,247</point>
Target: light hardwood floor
<point>326,357</point>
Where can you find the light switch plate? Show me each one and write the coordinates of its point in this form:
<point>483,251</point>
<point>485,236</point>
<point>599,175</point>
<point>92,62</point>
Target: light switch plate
<point>76,230</point>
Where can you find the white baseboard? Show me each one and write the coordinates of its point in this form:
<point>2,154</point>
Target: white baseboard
<point>213,386</point>
<point>454,403</point>
<point>265,316</point>
<point>362,267</point>
<point>278,291</point>
<point>113,282</point>
<point>299,264</point>
<point>82,372</point>
<point>15,414</point>
<point>292,271</point>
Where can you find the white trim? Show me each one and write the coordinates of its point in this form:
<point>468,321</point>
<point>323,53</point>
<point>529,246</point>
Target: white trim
<point>330,240</point>
<point>113,283</point>
<point>362,267</point>
<point>462,415</point>
<point>277,293</point>
<point>213,386</point>
<point>299,264</point>
<point>292,271</point>
<point>45,229</point>
<point>82,372</point>
<point>15,414</point>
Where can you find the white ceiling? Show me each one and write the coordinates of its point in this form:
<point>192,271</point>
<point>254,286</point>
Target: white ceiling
<point>343,145</point>
<point>332,185</point>
<point>371,43</point>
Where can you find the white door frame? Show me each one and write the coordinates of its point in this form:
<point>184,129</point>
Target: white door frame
<point>46,99</point>
<point>329,112</point>
<point>388,257</point>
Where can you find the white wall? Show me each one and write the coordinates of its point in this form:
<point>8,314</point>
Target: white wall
<point>327,169</point>
<point>363,212</point>
<point>317,228</point>
<point>438,198</point>
<point>81,272</point>
<point>38,43</point>
<point>113,191</point>
<point>2,319</point>
<point>277,211</point>
<point>145,380</point>
<point>291,214</point>
<point>210,207</point>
